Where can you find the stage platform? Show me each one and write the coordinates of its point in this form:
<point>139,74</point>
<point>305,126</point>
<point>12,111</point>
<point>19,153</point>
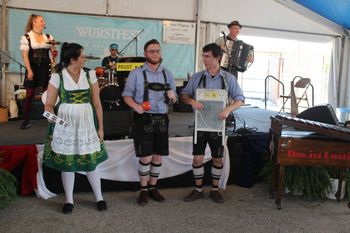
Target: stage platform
<point>181,125</point>
<point>245,152</point>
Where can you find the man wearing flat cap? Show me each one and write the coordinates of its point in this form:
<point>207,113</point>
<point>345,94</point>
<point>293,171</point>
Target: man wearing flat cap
<point>110,61</point>
<point>227,42</point>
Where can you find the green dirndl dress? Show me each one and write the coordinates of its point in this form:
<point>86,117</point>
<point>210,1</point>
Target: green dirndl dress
<point>75,147</point>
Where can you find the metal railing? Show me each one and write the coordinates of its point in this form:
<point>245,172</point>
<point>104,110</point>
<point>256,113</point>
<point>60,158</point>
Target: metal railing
<point>266,80</point>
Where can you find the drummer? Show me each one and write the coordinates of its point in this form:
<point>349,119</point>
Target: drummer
<point>111,60</point>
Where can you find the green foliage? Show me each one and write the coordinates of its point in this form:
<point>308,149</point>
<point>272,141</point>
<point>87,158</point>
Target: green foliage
<point>266,172</point>
<point>312,182</point>
<point>334,173</point>
<point>346,178</point>
<point>7,188</point>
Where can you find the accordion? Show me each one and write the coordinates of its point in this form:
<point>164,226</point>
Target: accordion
<point>236,56</point>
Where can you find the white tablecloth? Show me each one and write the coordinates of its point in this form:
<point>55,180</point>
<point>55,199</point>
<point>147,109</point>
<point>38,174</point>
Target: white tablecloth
<point>122,163</point>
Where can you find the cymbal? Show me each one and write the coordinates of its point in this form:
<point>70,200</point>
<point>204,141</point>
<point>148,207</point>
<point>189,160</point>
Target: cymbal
<point>91,57</point>
<point>53,42</point>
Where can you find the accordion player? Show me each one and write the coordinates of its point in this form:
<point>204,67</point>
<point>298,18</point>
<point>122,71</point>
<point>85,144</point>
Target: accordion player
<point>237,56</point>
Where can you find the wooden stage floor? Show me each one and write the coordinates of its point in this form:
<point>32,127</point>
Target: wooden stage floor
<point>181,124</point>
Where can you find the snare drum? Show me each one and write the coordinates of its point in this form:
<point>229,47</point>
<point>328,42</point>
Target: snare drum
<point>102,81</point>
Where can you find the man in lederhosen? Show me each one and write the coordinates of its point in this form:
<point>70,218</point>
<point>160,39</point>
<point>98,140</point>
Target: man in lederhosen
<point>148,91</point>
<point>213,77</point>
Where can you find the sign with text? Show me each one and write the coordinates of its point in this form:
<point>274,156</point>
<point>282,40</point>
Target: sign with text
<point>128,66</point>
<point>306,152</point>
<point>179,32</point>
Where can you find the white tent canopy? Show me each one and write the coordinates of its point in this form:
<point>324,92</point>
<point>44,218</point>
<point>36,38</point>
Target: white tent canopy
<point>264,17</point>
<point>261,14</point>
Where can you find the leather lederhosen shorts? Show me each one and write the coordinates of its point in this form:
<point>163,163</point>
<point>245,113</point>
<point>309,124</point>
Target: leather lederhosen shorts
<point>150,133</point>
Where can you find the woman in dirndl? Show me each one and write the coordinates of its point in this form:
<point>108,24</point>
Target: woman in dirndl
<point>78,145</point>
<point>36,47</point>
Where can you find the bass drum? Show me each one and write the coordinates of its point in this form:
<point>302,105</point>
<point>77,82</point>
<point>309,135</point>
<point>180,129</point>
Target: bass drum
<point>111,98</point>
<point>124,66</point>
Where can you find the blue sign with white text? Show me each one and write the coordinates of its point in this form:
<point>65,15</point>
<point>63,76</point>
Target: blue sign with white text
<point>96,33</point>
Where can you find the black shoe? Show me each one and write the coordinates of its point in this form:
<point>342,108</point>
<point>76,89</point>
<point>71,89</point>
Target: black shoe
<point>216,196</point>
<point>25,125</point>
<point>194,195</point>
<point>155,195</point>
<point>143,198</point>
<point>67,208</point>
<point>101,205</point>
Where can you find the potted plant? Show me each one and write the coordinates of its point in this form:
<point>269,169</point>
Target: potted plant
<point>8,185</point>
<point>346,178</point>
<point>310,182</point>
<point>334,180</point>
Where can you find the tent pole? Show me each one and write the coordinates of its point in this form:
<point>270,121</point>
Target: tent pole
<point>3,47</point>
<point>198,15</point>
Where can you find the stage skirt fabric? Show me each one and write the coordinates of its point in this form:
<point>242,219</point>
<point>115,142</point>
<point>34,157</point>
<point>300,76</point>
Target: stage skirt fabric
<point>13,156</point>
<point>122,163</point>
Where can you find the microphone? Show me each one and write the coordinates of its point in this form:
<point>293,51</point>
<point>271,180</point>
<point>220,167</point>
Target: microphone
<point>222,32</point>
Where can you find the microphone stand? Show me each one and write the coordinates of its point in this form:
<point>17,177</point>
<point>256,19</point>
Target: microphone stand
<point>229,55</point>
<point>225,41</point>
<point>20,65</point>
<point>134,39</point>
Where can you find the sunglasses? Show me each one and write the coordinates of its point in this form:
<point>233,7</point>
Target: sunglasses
<point>114,49</point>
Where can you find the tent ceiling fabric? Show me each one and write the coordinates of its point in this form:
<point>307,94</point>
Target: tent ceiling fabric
<point>265,14</point>
<point>89,6</point>
<point>335,10</point>
<point>154,9</point>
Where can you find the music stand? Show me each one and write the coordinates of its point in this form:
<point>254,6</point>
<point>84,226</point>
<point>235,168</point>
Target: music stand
<point>7,61</point>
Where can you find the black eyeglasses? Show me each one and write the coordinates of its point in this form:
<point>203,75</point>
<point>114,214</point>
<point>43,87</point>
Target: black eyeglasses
<point>154,51</point>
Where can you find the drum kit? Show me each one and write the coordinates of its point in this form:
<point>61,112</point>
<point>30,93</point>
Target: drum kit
<point>110,91</point>
<point>111,85</point>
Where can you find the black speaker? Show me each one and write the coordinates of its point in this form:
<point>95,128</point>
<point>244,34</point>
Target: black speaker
<point>123,75</point>
<point>36,112</point>
<point>181,106</point>
<point>117,124</point>
<point>321,113</point>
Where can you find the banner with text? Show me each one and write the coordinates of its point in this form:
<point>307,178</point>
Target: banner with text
<point>96,33</point>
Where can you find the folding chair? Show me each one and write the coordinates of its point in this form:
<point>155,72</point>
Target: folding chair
<point>299,92</point>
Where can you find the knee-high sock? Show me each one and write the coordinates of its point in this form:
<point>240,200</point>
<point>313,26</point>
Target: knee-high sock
<point>198,175</point>
<point>216,174</point>
<point>144,171</point>
<point>154,174</point>
<point>68,185</point>
<point>95,182</point>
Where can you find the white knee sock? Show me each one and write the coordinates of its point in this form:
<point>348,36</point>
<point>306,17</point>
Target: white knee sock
<point>95,182</point>
<point>68,185</point>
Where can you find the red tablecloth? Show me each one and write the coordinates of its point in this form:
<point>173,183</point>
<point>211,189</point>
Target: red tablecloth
<point>12,156</point>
